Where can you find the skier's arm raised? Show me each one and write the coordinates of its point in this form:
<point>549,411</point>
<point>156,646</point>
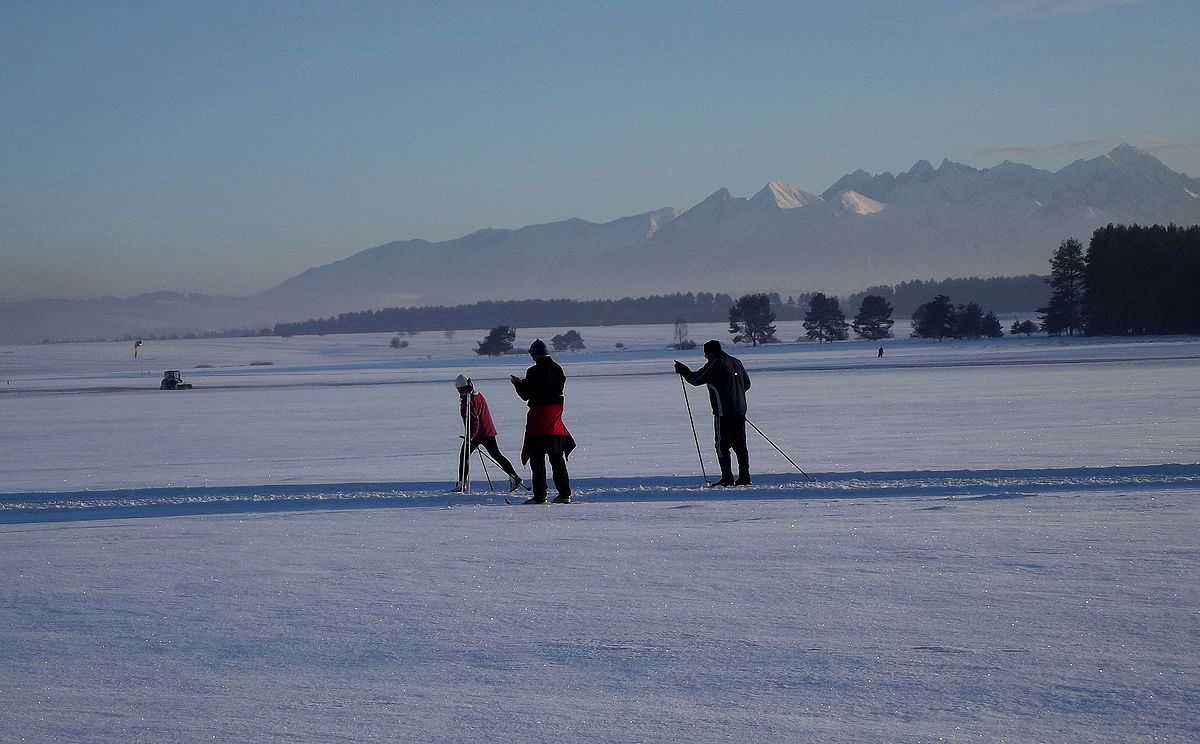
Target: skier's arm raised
<point>699,377</point>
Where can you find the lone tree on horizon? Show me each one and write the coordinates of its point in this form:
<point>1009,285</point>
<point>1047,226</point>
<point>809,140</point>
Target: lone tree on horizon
<point>499,341</point>
<point>874,320</point>
<point>751,319</point>
<point>1064,312</point>
<point>682,341</point>
<point>824,320</point>
<point>569,341</point>
<point>1022,326</point>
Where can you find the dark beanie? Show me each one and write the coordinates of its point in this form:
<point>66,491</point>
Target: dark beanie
<point>712,347</point>
<point>537,348</point>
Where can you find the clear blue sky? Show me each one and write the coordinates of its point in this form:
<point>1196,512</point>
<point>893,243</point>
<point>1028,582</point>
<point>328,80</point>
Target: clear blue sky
<point>222,147</point>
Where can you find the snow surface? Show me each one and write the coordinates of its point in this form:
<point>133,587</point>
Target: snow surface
<point>1000,544</point>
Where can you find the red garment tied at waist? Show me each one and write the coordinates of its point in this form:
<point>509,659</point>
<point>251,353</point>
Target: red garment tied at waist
<point>545,420</point>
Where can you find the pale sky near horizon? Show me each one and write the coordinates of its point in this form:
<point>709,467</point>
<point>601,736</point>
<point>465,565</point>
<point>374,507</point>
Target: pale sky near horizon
<point>222,147</point>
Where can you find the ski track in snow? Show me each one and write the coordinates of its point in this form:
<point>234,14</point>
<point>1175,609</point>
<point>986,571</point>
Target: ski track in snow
<point>953,485</point>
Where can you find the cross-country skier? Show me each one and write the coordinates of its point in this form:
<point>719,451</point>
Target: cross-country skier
<point>483,433</point>
<point>545,434</point>
<point>727,385</point>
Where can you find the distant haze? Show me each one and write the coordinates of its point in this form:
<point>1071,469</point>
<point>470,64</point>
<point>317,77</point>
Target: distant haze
<point>949,220</point>
<point>225,147</point>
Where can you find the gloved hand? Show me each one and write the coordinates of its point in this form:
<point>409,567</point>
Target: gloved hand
<point>681,368</point>
<point>513,379</point>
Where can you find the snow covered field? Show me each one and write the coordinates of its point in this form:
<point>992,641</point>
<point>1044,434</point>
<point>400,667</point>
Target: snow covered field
<point>1000,544</point>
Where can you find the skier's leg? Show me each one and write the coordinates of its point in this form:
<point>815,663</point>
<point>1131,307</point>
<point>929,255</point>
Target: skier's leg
<point>722,446</point>
<point>562,481</point>
<point>464,464</point>
<point>537,469</point>
<point>490,446</point>
<point>736,435</point>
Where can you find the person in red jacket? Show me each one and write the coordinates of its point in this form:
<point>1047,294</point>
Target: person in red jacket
<point>483,433</point>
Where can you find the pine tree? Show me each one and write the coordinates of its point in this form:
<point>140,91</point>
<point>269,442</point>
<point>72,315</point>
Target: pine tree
<point>968,321</point>
<point>934,319</point>
<point>751,319</point>
<point>1143,280</point>
<point>991,326</point>
<point>1064,312</point>
<point>874,319</point>
<point>499,341</point>
<point>824,320</point>
<point>1026,327</point>
<point>569,341</point>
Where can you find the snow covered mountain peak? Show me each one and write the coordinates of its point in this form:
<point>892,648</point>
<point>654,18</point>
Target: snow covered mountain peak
<point>783,196</point>
<point>852,202</point>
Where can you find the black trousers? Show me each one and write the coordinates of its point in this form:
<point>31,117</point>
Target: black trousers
<point>731,435</point>
<point>549,447</point>
<point>490,446</point>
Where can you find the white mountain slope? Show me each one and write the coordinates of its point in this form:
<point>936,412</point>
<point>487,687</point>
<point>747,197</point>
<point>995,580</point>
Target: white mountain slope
<point>852,202</point>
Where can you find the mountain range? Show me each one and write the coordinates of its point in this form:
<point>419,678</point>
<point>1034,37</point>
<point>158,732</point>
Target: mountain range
<point>950,221</point>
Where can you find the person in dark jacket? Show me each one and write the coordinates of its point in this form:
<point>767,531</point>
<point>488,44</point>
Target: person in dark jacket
<point>545,434</point>
<point>727,383</point>
<point>482,434</point>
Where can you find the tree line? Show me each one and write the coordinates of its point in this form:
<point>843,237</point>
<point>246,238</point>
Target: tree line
<point>698,307</point>
<point>752,320</point>
<point>1008,294</point>
<point>1133,280</point>
<point>1005,293</point>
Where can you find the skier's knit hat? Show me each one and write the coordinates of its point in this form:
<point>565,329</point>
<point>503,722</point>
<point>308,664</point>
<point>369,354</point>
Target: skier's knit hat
<point>712,347</point>
<point>462,381</point>
<point>537,348</point>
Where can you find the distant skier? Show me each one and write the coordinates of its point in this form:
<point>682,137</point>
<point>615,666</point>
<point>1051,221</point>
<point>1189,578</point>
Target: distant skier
<point>727,385</point>
<point>880,354</point>
<point>545,434</point>
<point>483,433</point>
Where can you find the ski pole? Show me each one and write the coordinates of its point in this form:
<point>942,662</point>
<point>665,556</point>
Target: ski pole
<point>693,422</point>
<point>489,456</point>
<point>491,459</point>
<point>776,446</point>
<point>466,473</point>
<point>485,470</point>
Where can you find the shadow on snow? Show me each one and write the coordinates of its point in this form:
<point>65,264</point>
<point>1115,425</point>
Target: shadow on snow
<point>18,508</point>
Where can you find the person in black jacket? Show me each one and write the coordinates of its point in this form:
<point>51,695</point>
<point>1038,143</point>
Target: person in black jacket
<point>727,385</point>
<point>545,434</point>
